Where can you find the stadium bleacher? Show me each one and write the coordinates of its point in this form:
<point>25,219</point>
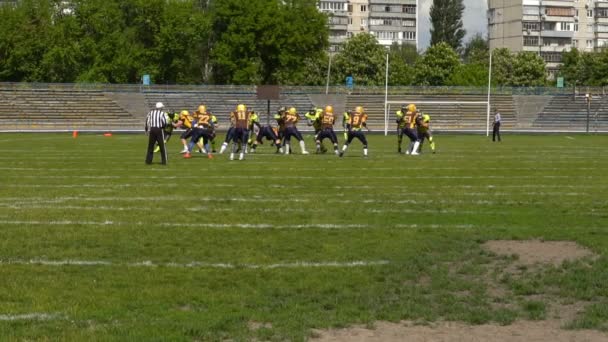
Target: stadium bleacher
<point>68,107</point>
<point>566,112</point>
<point>61,109</point>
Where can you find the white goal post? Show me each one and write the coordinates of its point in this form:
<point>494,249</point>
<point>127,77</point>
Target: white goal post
<point>388,112</point>
<point>387,103</point>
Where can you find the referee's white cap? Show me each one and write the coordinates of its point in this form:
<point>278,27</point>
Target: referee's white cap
<point>159,105</point>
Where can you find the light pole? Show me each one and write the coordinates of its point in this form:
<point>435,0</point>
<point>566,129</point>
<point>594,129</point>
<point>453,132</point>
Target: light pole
<point>328,72</point>
<point>588,99</point>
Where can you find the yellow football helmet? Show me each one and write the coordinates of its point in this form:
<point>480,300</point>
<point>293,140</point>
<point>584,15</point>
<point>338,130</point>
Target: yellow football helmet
<point>292,111</point>
<point>359,110</point>
<point>411,107</point>
<point>241,108</point>
<point>184,113</point>
<point>202,109</point>
<point>329,109</point>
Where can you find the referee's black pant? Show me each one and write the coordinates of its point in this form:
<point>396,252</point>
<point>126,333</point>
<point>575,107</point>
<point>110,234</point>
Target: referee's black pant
<point>496,131</point>
<point>156,136</point>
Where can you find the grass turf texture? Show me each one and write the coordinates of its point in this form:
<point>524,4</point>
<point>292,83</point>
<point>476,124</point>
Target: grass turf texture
<point>419,221</point>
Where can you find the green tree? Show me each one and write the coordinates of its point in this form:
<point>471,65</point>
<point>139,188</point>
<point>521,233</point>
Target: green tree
<point>25,31</point>
<point>476,51</point>
<point>362,58</point>
<point>401,61</point>
<point>181,52</point>
<point>469,75</point>
<point>436,65</point>
<point>528,70</point>
<point>258,41</point>
<point>446,23</point>
<point>502,67</point>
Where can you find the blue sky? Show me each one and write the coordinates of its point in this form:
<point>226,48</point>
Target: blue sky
<point>473,18</point>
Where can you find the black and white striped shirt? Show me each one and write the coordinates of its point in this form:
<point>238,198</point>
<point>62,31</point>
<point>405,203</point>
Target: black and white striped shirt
<point>156,118</point>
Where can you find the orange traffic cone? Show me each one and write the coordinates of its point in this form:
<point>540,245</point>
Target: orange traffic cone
<point>107,134</point>
<point>75,134</point>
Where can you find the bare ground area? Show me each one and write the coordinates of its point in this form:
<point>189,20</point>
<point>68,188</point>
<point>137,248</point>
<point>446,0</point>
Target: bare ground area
<point>450,331</point>
<point>530,252</point>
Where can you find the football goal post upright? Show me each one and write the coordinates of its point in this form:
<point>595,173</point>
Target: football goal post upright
<point>386,99</point>
<point>489,91</point>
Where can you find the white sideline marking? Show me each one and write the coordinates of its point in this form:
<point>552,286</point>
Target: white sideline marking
<point>231,225</point>
<point>569,137</point>
<point>29,317</point>
<point>196,264</point>
<point>265,225</point>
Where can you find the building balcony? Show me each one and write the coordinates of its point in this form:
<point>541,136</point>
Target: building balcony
<point>556,48</point>
<point>557,34</point>
<point>396,15</point>
<point>555,18</point>
<point>558,3</point>
<point>601,20</point>
<point>601,4</point>
<point>338,27</point>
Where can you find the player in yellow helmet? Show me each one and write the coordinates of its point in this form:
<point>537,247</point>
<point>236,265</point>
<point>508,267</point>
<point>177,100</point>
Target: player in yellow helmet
<point>410,129</point>
<point>356,121</point>
<point>312,117</point>
<point>327,119</point>
<point>400,114</point>
<point>424,131</point>
<point>291,118</point>
<point>202,129</point>
<point>185,121</point>
<point>241,118</point>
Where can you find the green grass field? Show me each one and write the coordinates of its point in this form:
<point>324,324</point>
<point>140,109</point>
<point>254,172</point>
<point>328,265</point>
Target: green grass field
<point>96,245</point>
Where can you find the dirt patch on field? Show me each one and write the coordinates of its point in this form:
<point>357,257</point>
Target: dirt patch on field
<point>449,331</point>
<point>531,252</point>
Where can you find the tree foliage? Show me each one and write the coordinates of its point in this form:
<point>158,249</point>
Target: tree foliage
<point>247,42</point>
<point>436,66</point>
<point>446,23</point>
<point>363,59</point>
<point>476,51</point>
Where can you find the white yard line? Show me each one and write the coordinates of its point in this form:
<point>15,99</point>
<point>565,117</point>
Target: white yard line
<point>29,317</point>
<point>196,264</point>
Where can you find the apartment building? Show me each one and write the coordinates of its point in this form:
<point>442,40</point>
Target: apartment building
<point>548,27</point>
<point>390,21</point>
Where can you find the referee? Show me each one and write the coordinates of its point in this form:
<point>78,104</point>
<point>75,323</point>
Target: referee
<point>155,122</point>
<point>496,126</point>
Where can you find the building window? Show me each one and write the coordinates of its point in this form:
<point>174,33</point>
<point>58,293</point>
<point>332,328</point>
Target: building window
<point>601,12</point>
<point>363,8</point>
<point>559,11</point>
<point>529,25</point>
<point>387,8</point>
<point>530,41</point>
<point>530,10</point>
<point>363,22</point>
<point>409,35</point>
<point>409,9</point>
<point>589,44</point>
<point>350,20</point>
<point>574,43</point>
<point>409,23</point>
<point>590,13</point>
<point>563,26</point>
<point>575,27</point>
<point>551,57</point>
